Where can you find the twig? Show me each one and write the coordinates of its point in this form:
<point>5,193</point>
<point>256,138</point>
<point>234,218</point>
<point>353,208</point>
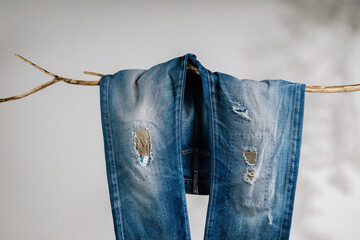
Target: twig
<point>57,78</point>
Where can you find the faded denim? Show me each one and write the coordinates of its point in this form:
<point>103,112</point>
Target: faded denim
<point>170,132</point>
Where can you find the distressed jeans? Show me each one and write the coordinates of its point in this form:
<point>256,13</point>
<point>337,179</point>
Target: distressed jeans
<point>169,131</point>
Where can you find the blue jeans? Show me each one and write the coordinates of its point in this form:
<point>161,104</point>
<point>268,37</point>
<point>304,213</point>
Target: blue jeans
<point>169,132</point>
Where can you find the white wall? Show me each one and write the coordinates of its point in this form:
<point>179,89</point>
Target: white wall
<point>52,163</point>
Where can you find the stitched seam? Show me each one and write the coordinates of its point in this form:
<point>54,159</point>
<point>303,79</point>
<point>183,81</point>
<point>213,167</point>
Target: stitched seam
<point>179,150</point>
<point>289,163</point>
<point>190,179</point>
<point>295,160</point>
<point>213,176</point>
<point>198,150</point>
<point>253,135</point>
<point>112,157</point>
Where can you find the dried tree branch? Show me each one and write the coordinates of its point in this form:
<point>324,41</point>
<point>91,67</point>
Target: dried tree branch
<point>57,78</point>
<point>94,73</point>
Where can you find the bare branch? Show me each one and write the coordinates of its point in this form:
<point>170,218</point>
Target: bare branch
<point>94,73</point>
<point>55,80</point>
<point>36,66</point>
<point>309,88</point>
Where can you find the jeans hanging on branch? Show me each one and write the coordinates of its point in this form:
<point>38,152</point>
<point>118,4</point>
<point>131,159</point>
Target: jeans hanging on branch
<point>169,132</point>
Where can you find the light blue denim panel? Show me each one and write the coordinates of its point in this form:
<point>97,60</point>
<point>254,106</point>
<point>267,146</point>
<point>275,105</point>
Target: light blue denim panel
<point>170,132</point>
<point>261,208</point>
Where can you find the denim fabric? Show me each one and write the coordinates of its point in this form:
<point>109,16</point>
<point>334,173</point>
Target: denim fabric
<point>169,132</point>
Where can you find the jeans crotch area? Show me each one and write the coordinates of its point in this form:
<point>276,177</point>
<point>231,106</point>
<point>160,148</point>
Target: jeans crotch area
<point>195,155</point>
<point>196,165</point>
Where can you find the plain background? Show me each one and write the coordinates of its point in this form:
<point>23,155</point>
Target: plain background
<point>52,164</point>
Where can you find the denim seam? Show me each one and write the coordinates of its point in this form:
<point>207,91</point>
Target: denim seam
<point>293,142</point>
<point>112,158</point>
<point>179,150</point>
<point>254,135</point>
<point>190,179</point>
<point>269,168</point>
<point>213,140</point>
<point>195,150</point>
<point>294,162</point>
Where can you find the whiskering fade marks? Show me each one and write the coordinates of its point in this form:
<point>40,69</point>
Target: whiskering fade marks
<point>270,217</point>
<point>242,111</point>
<point>143,146</point>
